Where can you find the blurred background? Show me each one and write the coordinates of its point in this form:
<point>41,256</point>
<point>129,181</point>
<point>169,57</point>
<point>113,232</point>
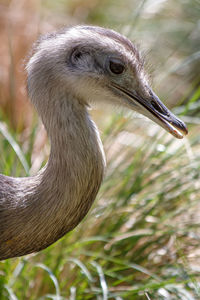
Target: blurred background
<point>141,239</point>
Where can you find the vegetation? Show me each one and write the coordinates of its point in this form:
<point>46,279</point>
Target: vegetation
<point>141,239</point>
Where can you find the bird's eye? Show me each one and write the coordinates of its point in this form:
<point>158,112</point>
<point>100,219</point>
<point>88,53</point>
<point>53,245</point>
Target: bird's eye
<point>116,66</point>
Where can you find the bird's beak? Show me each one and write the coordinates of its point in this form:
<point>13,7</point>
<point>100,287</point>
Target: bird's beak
<point>154,109</point>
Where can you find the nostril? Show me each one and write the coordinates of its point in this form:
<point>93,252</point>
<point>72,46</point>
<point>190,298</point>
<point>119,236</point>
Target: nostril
<point>157,107</point>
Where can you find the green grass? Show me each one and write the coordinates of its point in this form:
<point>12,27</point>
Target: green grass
<point>137,240</point>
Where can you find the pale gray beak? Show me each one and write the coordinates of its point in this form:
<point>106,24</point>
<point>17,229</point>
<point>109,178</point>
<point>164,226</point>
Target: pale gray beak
<point>154,109</point>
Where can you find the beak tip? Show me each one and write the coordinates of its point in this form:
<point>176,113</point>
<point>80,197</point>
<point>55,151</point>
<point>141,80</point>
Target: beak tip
<point>178,130</point>
<point>184,129</point>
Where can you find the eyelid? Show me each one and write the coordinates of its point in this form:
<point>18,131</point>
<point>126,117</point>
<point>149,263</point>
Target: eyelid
<point>117,60</point>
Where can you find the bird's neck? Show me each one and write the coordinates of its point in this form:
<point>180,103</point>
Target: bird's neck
<point>55,200</point>
<point>76,163</point>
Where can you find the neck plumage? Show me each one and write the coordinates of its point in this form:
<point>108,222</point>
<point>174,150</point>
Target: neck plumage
<point>37,211</point>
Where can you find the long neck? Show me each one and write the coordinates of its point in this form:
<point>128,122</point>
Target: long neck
<point>55,200</point>
<point>76,163</point>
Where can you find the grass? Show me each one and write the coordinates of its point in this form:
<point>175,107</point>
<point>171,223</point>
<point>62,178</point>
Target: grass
<point>141,238</point>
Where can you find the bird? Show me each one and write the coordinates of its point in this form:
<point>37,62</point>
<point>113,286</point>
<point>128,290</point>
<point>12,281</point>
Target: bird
<point>67,71</point>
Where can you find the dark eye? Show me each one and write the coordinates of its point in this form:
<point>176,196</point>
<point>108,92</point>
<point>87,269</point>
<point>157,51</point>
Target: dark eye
<point>116,66</point>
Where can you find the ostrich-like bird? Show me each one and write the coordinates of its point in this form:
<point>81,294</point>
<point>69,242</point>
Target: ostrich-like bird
<point>67,71</point>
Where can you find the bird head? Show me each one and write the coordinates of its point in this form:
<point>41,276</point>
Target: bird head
<point>97,64</point>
